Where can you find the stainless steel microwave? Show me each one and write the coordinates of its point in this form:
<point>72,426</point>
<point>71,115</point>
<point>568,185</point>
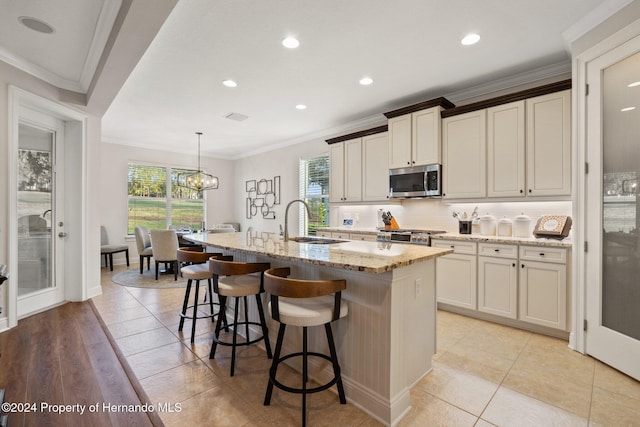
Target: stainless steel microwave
<point>417,181</point>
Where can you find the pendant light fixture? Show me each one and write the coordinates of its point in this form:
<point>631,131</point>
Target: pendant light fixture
<point>199,180</point>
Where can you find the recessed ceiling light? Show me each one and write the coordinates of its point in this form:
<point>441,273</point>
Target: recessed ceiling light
<point>628,109</point>
<point>36,24</point>
<point>366,81</point>
<point>290,42</point>
<point>301,107</point>
<point>634,84</point>
<point>229,83</point>
<point>470,39</point>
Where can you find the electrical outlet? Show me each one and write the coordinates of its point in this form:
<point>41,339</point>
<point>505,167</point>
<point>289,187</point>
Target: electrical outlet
<point>418,286</point>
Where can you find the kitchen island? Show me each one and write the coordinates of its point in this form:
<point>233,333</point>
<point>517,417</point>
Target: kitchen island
<point>386,342</point>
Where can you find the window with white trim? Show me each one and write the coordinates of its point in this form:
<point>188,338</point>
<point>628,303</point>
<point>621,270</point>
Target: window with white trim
<point>314,189</point>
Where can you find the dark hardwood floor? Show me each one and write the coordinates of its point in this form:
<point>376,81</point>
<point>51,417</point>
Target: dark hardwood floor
<point>63,357</point>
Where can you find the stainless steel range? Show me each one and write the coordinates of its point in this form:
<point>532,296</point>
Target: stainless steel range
<point>416,237</point>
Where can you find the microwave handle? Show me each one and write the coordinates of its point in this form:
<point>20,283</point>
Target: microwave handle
<point>425,184</point>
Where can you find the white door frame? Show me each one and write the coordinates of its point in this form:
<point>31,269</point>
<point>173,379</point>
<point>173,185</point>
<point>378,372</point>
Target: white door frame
<point>75,202</point>
<point>580,198</point>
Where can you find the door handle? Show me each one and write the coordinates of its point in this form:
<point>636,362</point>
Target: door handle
<point>62,234</point>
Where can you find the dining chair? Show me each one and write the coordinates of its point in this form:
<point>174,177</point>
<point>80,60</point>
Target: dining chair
<point>164,244</point>
<point>108,250</point>
<point>143,242</point>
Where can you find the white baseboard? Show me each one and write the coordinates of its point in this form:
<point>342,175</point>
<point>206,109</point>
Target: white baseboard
<point>94,291</point>
<point>4,324</point>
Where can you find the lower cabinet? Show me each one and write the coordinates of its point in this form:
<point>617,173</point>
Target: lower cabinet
<point>519,282</point>
<point>543,287</point>
<point>456,274</point>
<point>498,280</point>
<point>349,236</point>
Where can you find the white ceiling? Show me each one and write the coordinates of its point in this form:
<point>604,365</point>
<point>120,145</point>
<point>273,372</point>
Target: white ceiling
<point>411,48</point>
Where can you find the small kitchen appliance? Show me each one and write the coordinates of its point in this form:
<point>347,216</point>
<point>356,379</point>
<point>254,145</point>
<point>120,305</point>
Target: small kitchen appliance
<point>416,237</point>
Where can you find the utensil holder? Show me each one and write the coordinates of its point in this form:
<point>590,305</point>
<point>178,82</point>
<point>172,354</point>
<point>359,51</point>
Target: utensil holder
<point>464,227</point>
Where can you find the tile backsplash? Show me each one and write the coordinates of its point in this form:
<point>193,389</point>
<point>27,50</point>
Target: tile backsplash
<point>435,214</point>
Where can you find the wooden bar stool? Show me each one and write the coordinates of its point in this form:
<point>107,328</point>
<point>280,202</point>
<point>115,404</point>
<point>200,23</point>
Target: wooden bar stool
<point>304,303</point>
<point>196,268</point>
<point>238,280</point>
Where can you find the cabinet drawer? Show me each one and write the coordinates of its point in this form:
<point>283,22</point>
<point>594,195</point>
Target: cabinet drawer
<point>497,250</point>
<point>364,237</point>
<point>458,246</point>
<point>323,233</point>
<point>543,253</point>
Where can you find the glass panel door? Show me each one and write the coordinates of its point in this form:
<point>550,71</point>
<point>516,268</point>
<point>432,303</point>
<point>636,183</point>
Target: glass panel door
<point>620,219</point>
<point>35,210</point>
<point>613,210</point>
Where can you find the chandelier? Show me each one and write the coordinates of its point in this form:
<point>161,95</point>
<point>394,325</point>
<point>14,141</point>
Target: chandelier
<point>199,180</point>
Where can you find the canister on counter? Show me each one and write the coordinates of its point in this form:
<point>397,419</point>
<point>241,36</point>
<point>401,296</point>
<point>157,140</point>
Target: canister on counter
<point>488,225</point>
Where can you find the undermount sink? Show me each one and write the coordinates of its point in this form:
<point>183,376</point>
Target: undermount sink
<point>315,240</point>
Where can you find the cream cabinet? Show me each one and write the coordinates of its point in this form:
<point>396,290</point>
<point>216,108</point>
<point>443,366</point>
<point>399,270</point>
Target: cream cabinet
<point>375,167</point>
<point>414,138</point>
<point>346,171</point>
<point>549,144</point>
<point>464,148</point>
<point>323,233</point>
<point>456,274</point>
<point>543,286</point>
<point>506,150</point>
<point>498,279</point>
<point>366,237</point>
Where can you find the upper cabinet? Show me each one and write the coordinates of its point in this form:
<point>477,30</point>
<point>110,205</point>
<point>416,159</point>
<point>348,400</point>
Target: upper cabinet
<point>549,144</point>
<point>505,150</point>
<point>359,167</point>
<point>464,146</point>
<point>415,134</point>
<point>528,146</point>
<point>345,178</point>
<point>414,139</point>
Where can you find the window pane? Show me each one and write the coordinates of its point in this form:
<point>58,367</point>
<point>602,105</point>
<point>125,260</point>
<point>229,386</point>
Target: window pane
<point>314,189</point>
<point>187,206</point>
<point>147,191</point>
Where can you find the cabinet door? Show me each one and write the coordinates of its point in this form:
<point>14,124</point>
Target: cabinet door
<point>353,170</point>
<point>498,286</point>
<point>456,280</point>
<point>464,155</point>
<point>549,144</point>
<point>336,173</point>
<point>505,150</point>
<point>426,136</point>
<point>400,141</point>
<point>543,294</point>
<point>375,167</point>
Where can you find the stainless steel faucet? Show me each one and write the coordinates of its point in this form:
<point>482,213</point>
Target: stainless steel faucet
<point>286,216</point>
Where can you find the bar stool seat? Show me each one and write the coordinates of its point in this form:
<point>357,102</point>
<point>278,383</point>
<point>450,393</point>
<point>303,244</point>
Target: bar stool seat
<point>304,303</point>
<point>239,286</point>
<point>238,280</point>
<point>196,268</point>
<point>308,311</point>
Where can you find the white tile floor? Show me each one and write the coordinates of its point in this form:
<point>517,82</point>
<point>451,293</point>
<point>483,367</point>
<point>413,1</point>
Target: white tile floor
<point>484,374</point>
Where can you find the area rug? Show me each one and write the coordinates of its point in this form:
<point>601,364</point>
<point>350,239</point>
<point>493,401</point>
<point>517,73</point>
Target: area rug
<point>147,279</point>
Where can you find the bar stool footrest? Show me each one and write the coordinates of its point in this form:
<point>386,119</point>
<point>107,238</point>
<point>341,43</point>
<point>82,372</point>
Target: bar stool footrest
<point>317,389</point>
<point>203,316</point>
<point>230,344</point>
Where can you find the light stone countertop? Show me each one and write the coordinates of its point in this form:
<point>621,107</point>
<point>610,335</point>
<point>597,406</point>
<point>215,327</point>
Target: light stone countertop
<point>372,257</point>
<point>532,241</point>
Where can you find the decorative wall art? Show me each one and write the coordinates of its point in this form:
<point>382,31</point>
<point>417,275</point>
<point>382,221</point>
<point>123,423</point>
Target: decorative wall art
<point>262,196</point>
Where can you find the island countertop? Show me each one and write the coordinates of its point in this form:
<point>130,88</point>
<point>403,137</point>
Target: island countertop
<point>372,257</point>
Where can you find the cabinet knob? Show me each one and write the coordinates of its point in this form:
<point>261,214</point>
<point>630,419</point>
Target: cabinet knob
<point>497,250</point>
<point>452,247</point>
<point>521,191</point>
<point>408,163</point>
<point>541,253</point>
<point>413,161</point>
<point>443,194</point>
<point>522,266</point>
<point>513,265</point>
<point>529,190</point>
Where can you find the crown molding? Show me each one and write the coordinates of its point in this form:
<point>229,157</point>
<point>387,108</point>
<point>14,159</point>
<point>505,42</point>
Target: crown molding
<point>591,20</point>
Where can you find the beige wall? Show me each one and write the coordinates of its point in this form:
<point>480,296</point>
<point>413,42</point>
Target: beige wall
<point>113,185</point>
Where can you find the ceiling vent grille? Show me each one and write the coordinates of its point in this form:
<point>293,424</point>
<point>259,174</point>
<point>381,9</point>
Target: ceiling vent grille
<point>236,116</point>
